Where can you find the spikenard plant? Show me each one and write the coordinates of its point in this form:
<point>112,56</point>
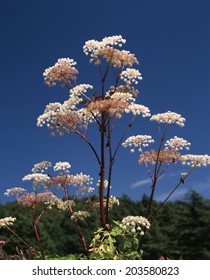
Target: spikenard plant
<point>100,107</point>
<point>103,107</point>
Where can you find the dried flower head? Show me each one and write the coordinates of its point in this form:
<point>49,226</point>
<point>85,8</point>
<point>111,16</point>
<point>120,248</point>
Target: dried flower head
<point>31,198</point>
<point>112,106</point>
<point>135,224</point>
<point>60,181</point>
<point>63,72</point>
<point>8,221</point>
<point>169,118</point>
<point>78,180</point>
<point>64,117</point>
<point>162,156</point>
<point>116,57</point>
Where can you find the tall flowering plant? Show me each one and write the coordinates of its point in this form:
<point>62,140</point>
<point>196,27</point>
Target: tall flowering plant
<point>103,107</point>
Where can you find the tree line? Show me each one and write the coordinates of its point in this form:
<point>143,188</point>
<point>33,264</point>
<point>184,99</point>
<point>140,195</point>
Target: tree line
<point>180,230</point>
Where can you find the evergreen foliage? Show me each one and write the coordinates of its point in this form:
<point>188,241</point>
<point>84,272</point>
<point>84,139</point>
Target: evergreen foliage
<point>180,230</point>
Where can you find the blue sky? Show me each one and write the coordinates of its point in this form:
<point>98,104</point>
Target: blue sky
<point>169,38</point>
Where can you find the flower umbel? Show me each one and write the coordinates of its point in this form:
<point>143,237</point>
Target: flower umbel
<point>63,71</point>
<point>62,166</point>
<point>41,166</point>
<point>131,75</point>
<point>37,177</point>
<point>80,215</point>
<point>137,141</point>
<point>177,143</point>
<point>8,221</point>
<point>169,118</point>
<point>162,156</point>
<point>195,160</point>
<point>135,224</point>
<point>14,191</point>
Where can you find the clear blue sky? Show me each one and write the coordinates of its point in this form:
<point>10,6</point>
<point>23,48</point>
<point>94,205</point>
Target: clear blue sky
<point>171,41</point>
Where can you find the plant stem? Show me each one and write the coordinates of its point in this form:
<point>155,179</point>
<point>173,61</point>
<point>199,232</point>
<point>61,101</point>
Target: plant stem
<point>170,194</point>
<point>102,172</point>
<point>78,228</point>
<point>13,232</point>
<point>110,169</point>
<point>35,222</point>
<point>38,240</point>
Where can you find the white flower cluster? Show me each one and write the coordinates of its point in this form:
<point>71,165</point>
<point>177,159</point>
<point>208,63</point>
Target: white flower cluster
<point>138,109</point>
<point>113,200</point>
<point>80,89</point>
<point>81,179</point>
<point>169,117</point>
<point>92,45</point>
<point>84,190</point>
<point>105,184</point>
<point>59,203</point>
<point>14,191</point>
<point>71,103</point>
<point>37,177</point>
<point>177,144</point>
<point>130,75</point>
<point>50,111</point>
<point>8,221</point>
<point>66,61</point>
<point>195,160</point>
<point>137,141</point>
<point>79,215</point>
<point>64,205</point>
<point>135,224</point>
<point>123,96</point>
<point>41,166</point>
<point>61,70</point>
<point>62,166</point>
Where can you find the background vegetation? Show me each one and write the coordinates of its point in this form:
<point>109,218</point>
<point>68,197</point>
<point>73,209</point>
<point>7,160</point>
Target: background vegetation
<point>181,229</point>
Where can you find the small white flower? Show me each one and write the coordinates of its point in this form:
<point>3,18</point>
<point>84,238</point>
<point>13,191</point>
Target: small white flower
<point>37,177</point>
<point>137,141</point>
<point>8,221</point>
<point>63,166</point>
<point>177,143</point>
<point>14,191</point>
<point>169,118</point>
<point>195,160</point>
<point>130,75</point>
